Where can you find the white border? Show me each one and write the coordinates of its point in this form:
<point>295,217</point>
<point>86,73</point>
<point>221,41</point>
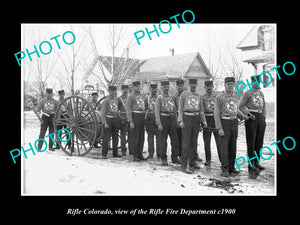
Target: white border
<point>22,124</point>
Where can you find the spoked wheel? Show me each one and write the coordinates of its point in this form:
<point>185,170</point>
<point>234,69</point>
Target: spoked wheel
<point>78,116</point>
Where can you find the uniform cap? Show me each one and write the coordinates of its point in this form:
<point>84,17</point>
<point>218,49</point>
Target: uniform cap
<point>179,81</point>
<point>229,79</point>
<point>193,81</point>
<point>208,83</point>
<point>153,85</point>
<point>49,90</point>
<point>61,92</point>
<point>112,87</point>
<point>164,82</point>
<point>124,86</point>
<point>135,83</point>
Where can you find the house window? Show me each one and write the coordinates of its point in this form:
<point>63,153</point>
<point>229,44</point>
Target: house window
<point>195,68</point>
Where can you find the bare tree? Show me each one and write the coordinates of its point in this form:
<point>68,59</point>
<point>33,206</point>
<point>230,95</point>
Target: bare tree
<point>70,65</point>
<point>113,69</point>
<point>233,64</point>
<point>39,70</point>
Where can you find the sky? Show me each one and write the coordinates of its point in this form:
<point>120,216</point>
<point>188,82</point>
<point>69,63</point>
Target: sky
<point>208,39</point>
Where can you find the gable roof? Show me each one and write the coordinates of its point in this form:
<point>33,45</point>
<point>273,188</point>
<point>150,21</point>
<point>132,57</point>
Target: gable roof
<point>168,67</point>
<point>250,39</point>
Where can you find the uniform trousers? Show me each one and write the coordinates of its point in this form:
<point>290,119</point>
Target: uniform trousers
<point>123,133</point>
<point>228,144</point>
<point>111,131</point>
<point>190,134</point>
<point>179,137</point>
<point>137,135</point>
<point>169,124</point>
<point>47,122</point>
<point>207,139</point>
<point>63,119</point>
<point>255,132</point>
<point>152,131</point>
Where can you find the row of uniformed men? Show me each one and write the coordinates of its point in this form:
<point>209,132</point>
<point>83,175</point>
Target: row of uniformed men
<point>180,118</point>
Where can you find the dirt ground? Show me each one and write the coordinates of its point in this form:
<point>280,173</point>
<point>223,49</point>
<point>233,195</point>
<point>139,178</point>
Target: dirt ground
<point>55,173</point>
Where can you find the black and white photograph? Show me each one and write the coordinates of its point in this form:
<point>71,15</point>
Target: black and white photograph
<point>164,109</point>
<point>144,110</point>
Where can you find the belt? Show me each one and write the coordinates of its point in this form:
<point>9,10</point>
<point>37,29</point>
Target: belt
<point>228,117</point>
<point>208,114</point>
<point>191,113</point>
<point>46,114</point>
<point>255,110</point>
<point>110,116</point>
<point>138,111</point>
<point>166,114</point>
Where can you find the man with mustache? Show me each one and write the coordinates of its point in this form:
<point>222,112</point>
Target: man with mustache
<point>225,114</point>
<point>208,106</point>
<point>190,117</point>
<point>252,103</point>
<point>151,127</point>
<point>166,120</point>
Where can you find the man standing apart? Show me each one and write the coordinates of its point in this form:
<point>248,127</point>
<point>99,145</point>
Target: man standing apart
<point>208,100</point>
<point>166,120</point>
<point>136,119</point>
<point>253,104</point>
<point>151,127</point>
<point>109,119</point>
<point>48,105</point>
<point>191,116</point>
<point>122,101</point>
<point>225,114</point>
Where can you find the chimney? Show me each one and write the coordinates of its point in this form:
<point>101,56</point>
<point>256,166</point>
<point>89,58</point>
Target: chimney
<point>172,50</point>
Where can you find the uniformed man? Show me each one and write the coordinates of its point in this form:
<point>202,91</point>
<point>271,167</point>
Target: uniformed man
<point>180,86</point>
<point>225,114</point>
<point>166,120</point>
<point>93,103</point>
<point>109,119</point>
<point>190,117</point>
<point>252,103</point>
<point>94,99</point>
<point>208,100</point>
<point>122,101</point>
<point>63,116</point>
<point>136,119</point>
<point>48,105</point>
<point>151,127</point>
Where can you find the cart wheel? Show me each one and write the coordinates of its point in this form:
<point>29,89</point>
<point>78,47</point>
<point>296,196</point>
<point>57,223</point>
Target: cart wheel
<point>78,116</point>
